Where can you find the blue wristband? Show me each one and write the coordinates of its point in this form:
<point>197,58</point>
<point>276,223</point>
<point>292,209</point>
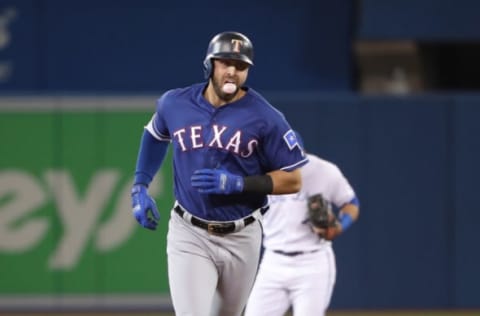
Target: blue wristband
<point>346,221</point>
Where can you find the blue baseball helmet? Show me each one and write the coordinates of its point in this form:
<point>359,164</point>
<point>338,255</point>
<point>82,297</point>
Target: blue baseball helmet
<point>228,45</point>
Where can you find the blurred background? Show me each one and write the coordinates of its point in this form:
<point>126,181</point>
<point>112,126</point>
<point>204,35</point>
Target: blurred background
<point>387,89</point>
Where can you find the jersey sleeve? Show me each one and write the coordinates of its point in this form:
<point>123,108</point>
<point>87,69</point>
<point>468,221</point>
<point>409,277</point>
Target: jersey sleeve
<point>326,178</point>
<point>281,146</point>
<point>157,126</point>
<point>341,189</point>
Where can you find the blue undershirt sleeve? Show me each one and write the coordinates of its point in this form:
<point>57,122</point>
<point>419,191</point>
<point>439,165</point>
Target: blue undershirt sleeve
<point>345,219</point>
<point>150,157</point>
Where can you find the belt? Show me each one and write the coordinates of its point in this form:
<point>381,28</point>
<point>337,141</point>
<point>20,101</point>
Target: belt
<point>294,253</point>
<point>220,228</point>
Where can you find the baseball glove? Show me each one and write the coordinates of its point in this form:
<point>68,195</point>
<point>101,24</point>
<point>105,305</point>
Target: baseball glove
<point>321,217</point>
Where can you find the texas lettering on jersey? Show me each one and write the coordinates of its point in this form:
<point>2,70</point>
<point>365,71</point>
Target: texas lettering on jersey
<point>236,144</point>
<point>246,137</point>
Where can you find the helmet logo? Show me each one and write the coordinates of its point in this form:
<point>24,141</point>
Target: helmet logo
<point>236,45</point>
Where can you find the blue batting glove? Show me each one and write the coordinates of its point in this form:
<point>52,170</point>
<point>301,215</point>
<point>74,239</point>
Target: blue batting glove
<point>216,181</point>
<point>142,205</point>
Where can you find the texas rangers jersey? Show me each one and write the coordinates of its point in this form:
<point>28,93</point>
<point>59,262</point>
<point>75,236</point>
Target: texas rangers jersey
<point>245,137</point>
<point>284,224</point>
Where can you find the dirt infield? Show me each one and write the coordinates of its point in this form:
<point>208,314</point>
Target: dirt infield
<point>332,313</point>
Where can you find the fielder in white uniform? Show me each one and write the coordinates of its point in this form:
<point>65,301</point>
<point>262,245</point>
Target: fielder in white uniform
<point>298,267</point>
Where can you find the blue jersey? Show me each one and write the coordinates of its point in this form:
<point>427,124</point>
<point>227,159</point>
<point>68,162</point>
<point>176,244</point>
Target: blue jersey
<point>245,137</point>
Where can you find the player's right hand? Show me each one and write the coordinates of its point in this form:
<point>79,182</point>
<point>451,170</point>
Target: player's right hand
<point>216,181</point>
<point>143,205</point>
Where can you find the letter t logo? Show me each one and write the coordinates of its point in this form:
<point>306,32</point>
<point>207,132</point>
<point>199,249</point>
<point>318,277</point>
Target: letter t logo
<point>236,44</point>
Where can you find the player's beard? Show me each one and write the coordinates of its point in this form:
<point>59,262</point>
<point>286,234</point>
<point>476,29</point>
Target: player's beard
<point>217,87</point>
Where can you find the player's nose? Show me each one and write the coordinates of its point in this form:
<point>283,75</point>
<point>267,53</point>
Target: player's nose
<point>231,69</point>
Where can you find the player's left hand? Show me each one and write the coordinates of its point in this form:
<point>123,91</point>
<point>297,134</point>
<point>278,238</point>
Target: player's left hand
<point>329,233</point>
<point>216,181</point>
<point>143,205</point>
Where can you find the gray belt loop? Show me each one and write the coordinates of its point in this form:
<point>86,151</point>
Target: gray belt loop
<point>186,215</point>
<point>240,223</point>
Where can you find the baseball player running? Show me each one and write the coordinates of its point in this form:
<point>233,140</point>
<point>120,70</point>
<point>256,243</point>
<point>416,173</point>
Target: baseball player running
<point>298,266</point>
<point>231,149</point>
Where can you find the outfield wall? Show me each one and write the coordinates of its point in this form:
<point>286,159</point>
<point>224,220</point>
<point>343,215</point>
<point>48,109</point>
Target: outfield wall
<point>67,237</point>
